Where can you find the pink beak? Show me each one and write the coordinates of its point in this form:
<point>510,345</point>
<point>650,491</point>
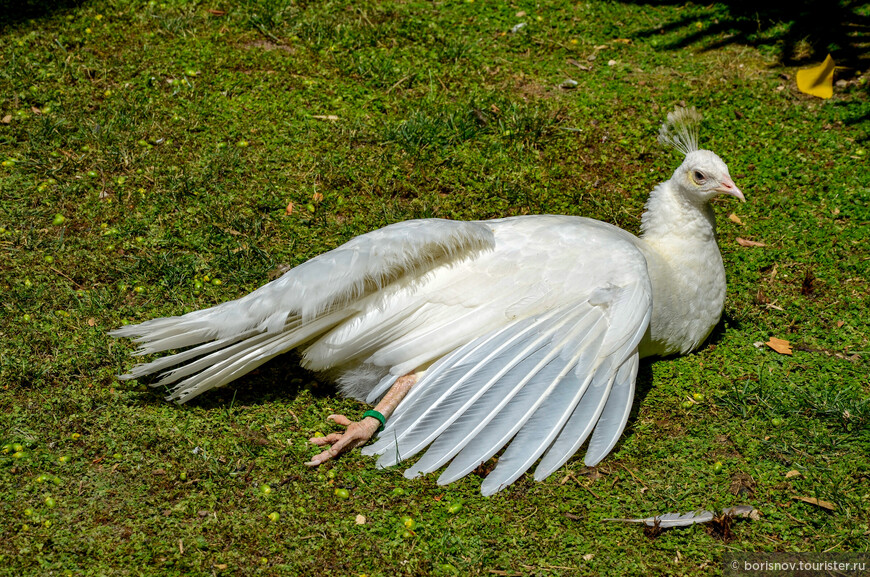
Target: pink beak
<point>728,187</point>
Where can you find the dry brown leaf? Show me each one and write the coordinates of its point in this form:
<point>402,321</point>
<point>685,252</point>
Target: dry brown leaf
<point>360,520</point>
<point>808,286</point>
<point>840,324</point>
<point>325,117</point>
<point>588,556</point>
<point>289,210</point>
<point>35,110</point>
<point>817,502</point>
<point>779,345</point>
<point>792,473</point>
<point>215,12</point>
<point>221,566</point>
<point>6,119</point>
<point>622,40</point>
<point>734,218</point>
<point>744,242</point>
<point>92,322</point>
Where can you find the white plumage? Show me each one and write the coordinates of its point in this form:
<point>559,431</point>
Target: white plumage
<point>525,332</point>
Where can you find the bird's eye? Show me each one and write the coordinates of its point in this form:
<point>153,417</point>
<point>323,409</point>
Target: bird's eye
<point>698,177</point>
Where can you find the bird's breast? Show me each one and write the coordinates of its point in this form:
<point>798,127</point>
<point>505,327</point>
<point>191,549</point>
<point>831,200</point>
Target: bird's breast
<point>688,297</point>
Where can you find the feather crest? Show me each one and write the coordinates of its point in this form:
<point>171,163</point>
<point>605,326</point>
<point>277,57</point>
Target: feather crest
<point>680,130</point>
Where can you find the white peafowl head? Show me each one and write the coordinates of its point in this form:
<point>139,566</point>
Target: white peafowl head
<point>702,175</point>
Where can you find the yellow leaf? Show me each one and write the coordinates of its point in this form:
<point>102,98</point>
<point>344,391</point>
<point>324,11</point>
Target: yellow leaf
<point>819,80</point>
<point>734,218</point>
<point>779,345</point>
<point>818,502</point>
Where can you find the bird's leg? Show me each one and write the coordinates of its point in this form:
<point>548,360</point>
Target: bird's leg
<point>358,433</point>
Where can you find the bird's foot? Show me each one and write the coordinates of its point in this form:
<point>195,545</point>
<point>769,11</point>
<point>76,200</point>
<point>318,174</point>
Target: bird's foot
<point>356,435</point>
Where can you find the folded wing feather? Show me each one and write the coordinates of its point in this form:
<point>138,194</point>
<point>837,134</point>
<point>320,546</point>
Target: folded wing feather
<point>540,383</point>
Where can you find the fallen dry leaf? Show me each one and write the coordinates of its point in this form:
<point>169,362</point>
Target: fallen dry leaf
<point>808,286</point>
<point>92,322</point>
<point>744,242</point>
<point>840,324</point>
<point>289,210</point>
<point>588,556</point>
<point>817,502</point>
<point>792,473</point>
<point>734,218</point>
<point>216,12</point>
<point>623,40</point>
<point>779,345</point>
<point>360,520</point>
<point>6,119</point>
<point>325,117</point>
<point>818,80</point>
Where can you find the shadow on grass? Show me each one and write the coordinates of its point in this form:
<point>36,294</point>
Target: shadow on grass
<point>279,379</point>
<point>16,11</point>
<point>800,31</point>
<point>644,382</point>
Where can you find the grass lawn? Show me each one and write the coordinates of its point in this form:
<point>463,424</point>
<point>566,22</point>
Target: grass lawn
<point>160,157</point>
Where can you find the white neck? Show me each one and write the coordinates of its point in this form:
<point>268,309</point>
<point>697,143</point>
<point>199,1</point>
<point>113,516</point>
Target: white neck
<point>678,239</point>
<point>669,214</point>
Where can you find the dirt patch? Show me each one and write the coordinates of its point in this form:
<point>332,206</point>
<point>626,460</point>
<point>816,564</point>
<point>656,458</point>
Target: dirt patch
<point>269,45</point>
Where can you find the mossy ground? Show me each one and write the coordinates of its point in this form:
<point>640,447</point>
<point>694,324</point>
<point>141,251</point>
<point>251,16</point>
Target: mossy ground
<point>179,141</point>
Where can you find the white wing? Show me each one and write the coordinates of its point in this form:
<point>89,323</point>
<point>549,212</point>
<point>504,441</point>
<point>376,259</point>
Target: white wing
<point>538,385</point>
<point>530,324</point>
<point>235,337</point>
